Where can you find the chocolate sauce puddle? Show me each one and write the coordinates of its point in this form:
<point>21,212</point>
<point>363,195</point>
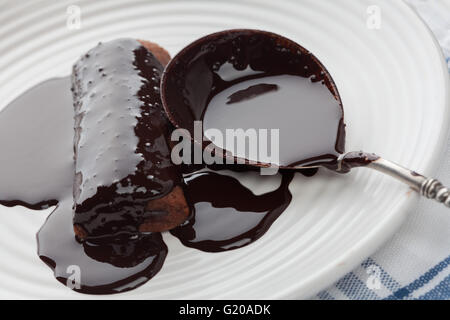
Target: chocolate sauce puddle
<point>37,171</point>
<point>97,268</point>
<point>229,216</point>
<point>36,143</point>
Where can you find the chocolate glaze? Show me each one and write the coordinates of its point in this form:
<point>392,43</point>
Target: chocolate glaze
<point>229,216</point>
<point>122,159</point>
<point>222,60</point>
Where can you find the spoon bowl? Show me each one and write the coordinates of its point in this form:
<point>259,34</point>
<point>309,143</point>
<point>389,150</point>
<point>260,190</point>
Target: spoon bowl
<point>217,61</point>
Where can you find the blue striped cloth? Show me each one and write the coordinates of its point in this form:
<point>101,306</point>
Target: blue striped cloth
<point>371,281</point>
<point>415,264</point>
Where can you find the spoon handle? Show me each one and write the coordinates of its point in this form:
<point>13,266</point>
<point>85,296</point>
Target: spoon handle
<point>427,187</point>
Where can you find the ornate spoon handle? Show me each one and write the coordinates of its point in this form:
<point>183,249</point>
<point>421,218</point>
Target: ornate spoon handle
<point>428,187</point>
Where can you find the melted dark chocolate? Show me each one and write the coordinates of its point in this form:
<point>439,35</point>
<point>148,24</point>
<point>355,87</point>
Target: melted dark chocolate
<point>229,216</point>
<point>37,170</point>
<point>306,107</point>
<point>97,268</point>
<point>122,159</point>
<point>41,120</point>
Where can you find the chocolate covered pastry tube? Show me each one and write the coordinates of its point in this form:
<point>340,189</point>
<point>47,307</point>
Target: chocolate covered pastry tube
<point>124,179</point>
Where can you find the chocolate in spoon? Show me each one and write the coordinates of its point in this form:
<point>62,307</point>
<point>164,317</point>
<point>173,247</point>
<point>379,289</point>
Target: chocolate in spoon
<point>250,79</point>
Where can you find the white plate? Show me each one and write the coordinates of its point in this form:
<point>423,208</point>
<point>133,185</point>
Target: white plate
<point>394,86</point>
